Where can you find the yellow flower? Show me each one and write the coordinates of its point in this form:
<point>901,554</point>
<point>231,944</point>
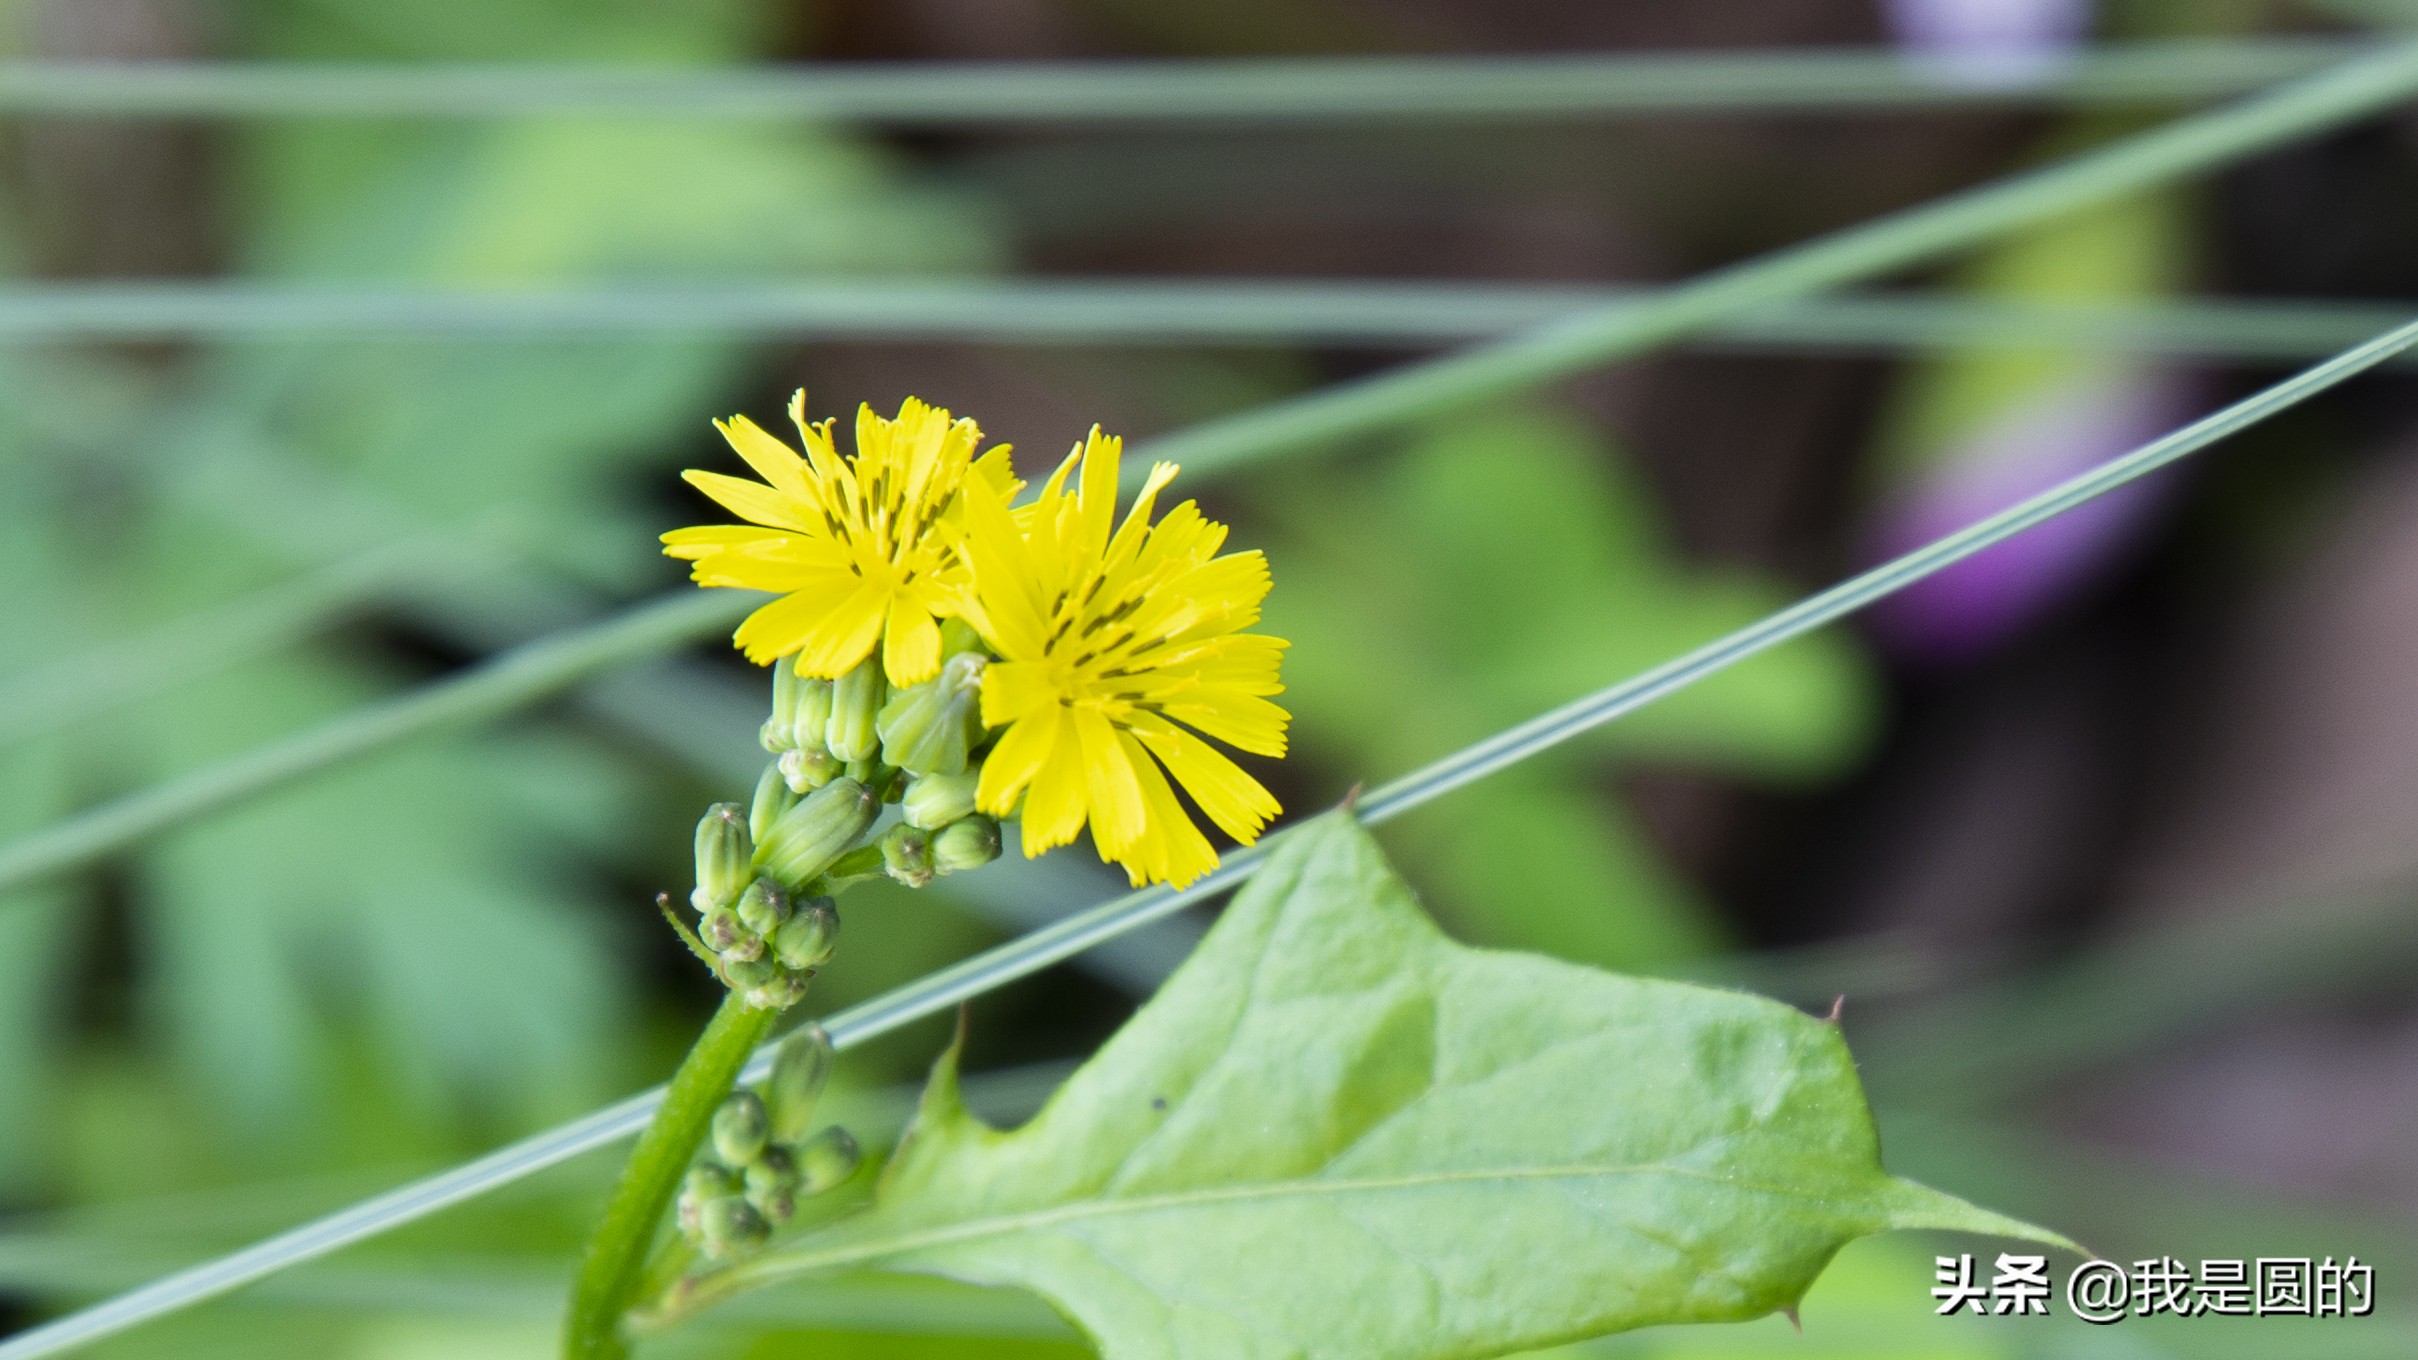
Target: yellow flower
<point>1112,647</point>
<point>850,544</point>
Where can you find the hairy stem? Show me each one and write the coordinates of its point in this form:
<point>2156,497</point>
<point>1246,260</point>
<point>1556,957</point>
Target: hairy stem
<point>615,1263</point>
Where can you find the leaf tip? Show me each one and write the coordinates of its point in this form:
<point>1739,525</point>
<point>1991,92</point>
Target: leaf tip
<point>1914,1205</point>
<point>1838,1007</point>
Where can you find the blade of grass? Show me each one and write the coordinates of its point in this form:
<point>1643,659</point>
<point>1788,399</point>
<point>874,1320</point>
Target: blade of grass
<point>1093,312</point>
<point>93,681</point>
<point>1266,90</point>
<point>493,687</point>
<point>1413,393</point>
<point>1031,953</point>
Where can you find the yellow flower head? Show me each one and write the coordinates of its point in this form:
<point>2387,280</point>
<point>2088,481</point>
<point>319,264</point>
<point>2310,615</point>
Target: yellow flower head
<point>1114,642</point>
<point>851,544</point>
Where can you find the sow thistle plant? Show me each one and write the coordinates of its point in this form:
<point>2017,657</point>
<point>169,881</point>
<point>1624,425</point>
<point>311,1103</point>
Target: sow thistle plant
<point>1333,1132</point>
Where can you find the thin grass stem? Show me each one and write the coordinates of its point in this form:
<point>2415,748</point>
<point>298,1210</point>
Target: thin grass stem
<point>496,686</point>
<point>1172,312</point>
<point>1284,90</point>
<point>94,681</point>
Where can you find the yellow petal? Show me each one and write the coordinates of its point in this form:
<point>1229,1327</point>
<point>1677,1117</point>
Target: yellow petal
<point>911,643</point>
<point>1053,806</point>
<point>1115,795</point>
<point>773,460</point>
<point>1239,804</point>
<point>754,501</point>
<point>1012,689</point>
<point>847,635</point>
<point>1016,759</point>
<point>1173,851</point>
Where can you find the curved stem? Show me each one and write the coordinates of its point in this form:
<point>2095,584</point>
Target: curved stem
<point>616,1258</point>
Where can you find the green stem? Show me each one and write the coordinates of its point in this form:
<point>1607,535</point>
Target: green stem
<point>616,1259</point>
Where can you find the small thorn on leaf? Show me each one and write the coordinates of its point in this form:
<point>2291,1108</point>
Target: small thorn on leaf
<point>1793,1320</point>
<point>1351,797</point>
<point>1838,1007</point>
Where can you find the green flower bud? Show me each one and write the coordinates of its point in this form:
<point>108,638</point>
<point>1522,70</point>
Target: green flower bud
<point>725,856</point>
<point>825,1160</point>
<point>929,728</point>
<point>726,935</point>
<point>815,832</point>
<point>773,797</point>
<point>806,771</point>
<point>729,1226</point>
<point>806,940</point>
<point>935,800</point>
<point>856,704</point>
<point>800,1068</point>
<point>705,1181</point>
<point>755,970</point>
<point>786,988</point>
<point>763,907</point>
<point>967,843</point>
<point>740,1128</point>
<point>907,854</point>
<point>780,730</point>
<point>772,1184</point>
<point>813,716</point>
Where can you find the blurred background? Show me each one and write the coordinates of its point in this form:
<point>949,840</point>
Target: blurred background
<point>2109,838</point>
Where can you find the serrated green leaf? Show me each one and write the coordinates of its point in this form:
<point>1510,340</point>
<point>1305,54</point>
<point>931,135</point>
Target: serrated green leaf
<point>1335,1133</point>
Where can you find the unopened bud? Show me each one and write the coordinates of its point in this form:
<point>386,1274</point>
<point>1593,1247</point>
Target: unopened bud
<point>812,834</point>
<point>705,1181</point>
<point>907,854</point>
<point>807,771</point>
<point>813,715</point>
<point>856,705</point>
<point>780,730</point>
<point>928,728</point>
<point>725,856</point>
<point>740,1128</point>
<point>807,938</point>
<point>728,1226</point>
<point>772,1184</point>
<point>800,1067</point>
<point>750,966</point>
<point>724,934</point>
<point>786,989</point>
<point>825,1160</point>
<point>773,797</point>
<point>763,907</point>
<point>967,843</point>
<point>935,800</point>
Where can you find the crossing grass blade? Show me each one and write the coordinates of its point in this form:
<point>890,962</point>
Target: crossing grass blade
<point>1061,311</point>
<point>1288,91</point>
<point>497,686</point>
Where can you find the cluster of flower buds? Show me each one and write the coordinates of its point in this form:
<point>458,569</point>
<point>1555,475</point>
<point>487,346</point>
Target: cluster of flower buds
<point>762,1160</point>
<point>757,922</point>
<point>914,745</point>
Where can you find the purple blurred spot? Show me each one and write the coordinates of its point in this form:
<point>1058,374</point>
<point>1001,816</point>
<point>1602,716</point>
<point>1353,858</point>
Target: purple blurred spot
<point>1987,599</point>
<point>1989,43</point>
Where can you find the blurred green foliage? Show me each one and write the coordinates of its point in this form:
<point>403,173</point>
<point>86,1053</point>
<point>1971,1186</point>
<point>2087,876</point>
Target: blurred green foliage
<point>1496,568</point>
